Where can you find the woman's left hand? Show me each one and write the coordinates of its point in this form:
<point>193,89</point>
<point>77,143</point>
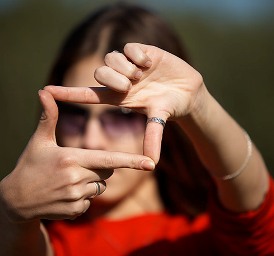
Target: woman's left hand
<point>146,79</point>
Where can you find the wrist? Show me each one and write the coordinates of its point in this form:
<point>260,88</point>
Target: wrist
<point>200,109</point>
<point>9,212</point>
<point>201,102</point>
<point>17,237</point>
<point>14,230</point>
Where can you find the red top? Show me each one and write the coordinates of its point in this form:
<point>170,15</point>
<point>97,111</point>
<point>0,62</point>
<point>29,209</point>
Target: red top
<point>217,232</point>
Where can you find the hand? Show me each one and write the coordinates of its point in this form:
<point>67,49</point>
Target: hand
<point>147,79</point>
<point>55,182</point>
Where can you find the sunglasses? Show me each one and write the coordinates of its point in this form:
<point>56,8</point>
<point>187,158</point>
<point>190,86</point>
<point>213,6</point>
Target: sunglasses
<point>115,122</point>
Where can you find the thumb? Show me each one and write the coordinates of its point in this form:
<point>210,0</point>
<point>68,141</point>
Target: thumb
<point>153,138</point>
<point>48,120</point>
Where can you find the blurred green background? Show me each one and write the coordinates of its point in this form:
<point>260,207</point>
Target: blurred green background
<point>230,42</point>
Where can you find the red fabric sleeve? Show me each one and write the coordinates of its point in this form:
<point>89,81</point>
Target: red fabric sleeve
<point>249,233</point>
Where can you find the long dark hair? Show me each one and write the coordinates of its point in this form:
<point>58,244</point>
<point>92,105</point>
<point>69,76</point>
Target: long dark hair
<point>181,177</point>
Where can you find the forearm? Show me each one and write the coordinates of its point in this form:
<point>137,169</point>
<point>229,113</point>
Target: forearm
<point>22,238</point>
<point>222,147</point>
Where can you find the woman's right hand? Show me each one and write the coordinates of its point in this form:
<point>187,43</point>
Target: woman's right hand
<point>52,182</point>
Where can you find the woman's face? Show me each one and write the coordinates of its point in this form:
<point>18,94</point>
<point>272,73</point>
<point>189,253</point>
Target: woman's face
<point>102,127</point>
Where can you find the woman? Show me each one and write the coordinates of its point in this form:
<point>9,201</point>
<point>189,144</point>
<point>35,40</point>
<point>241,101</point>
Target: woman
<point>141,212</point>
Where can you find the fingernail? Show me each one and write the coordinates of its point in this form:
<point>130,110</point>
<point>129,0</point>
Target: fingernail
<point>148,165</point>
<point>43,116</point>
<point>148,64</point>
<point>138,75</point>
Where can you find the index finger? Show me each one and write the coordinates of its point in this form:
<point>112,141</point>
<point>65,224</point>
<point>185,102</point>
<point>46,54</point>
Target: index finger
<point>87,95</point>
<point>100,159</point>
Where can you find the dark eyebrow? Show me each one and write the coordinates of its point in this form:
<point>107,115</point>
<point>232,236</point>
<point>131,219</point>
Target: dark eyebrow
<point>71,108</point>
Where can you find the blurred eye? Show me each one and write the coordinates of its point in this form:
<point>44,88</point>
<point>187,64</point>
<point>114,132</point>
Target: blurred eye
<point>115,122</point>
<point>118,121</point>
<point>72,119</point>
<point>71,125</point>
<point>118,116</point>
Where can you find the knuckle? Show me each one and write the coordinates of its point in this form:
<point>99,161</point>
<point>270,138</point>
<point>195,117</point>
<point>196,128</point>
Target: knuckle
<point>74,194</point>
<point>141,58</point>
<point>133,163</point>
<point>99,73</point>
<point>107,58</point>
<point>68,92</point>
<point>198,78</point>
<point>75,209</point>
<point>132,70</point>
<point>87,95</point>
<point>108,161</point>
<point>73,177</point>
<point>66,161</point>
<point>125,85</point>
<point>127,47</point>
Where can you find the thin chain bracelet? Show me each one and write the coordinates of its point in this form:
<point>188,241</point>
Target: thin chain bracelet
<point>248,155</point>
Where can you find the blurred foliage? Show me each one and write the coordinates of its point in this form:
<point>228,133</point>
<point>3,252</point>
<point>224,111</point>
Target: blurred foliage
<point>236,61</point>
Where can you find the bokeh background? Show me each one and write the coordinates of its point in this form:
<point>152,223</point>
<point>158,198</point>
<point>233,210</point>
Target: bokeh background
<point>231,43</point>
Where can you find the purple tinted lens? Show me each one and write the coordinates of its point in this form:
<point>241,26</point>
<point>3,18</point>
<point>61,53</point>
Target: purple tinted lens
<point>71,124</point>
<point>117,122</point>
<point>72,119</point>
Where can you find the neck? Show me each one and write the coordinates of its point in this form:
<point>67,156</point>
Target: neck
<point>142,200</point>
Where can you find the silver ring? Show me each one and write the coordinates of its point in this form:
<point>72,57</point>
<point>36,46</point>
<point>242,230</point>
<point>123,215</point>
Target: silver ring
<point>156,120</point>
<point>98,189</point>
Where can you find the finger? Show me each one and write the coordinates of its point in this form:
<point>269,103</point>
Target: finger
<point>95,189</point>
<point>84,175</point>
<point>136,53</point>
<point>99,159</point>
<point>120,63</point>
<point>88,95</point>
<point>153,139</point>
<point>112,79</point>
<point>49,116</point>
<point>77,208</point>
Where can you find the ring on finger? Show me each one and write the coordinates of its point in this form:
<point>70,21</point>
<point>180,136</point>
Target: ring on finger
<point>97,189</point>
<point>156,120</point>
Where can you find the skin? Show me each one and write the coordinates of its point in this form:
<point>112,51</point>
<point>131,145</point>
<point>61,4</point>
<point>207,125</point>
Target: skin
<point>52,182</point>
<point>169,88</point>
<point>129,192</point>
